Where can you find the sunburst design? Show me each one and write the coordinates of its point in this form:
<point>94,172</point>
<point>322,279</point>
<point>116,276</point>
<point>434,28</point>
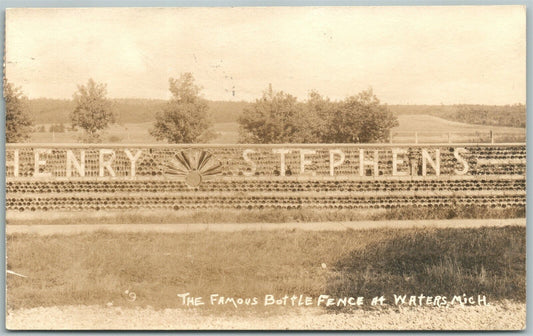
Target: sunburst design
<point>193,166</point>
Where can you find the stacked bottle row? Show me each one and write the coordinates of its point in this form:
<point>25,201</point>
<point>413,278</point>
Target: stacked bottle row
<point>254,202</point>
<point>262,186</point>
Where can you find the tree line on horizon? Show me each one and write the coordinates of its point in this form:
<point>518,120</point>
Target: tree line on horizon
<point>143,110</point>
<point>275,117</point>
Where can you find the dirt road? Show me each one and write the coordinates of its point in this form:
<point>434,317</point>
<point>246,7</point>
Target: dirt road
<point>316,226</point>
<point>503,316</point>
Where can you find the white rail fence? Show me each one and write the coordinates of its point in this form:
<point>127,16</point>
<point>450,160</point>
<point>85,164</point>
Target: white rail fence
<point>458,137</point>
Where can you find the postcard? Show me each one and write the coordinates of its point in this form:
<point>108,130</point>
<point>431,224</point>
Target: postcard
<point>266,168</point>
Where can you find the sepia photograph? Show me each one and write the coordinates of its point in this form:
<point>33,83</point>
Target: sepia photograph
<point>265,168</point>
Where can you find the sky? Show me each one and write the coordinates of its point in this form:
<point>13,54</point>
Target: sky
<point>408,55</point>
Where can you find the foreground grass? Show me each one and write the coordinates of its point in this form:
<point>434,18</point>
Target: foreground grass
<point>482,261</point>
<point>97,268</point>
<point>262,216</point>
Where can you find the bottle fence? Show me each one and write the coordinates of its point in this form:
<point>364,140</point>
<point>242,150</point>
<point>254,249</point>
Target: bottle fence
<point>113,177</point>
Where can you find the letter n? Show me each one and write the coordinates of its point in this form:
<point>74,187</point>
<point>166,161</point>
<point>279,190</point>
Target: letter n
<point>434,164</point>
<point>72,161</point>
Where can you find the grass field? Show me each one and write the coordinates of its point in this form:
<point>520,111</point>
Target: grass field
<point>97,268</point>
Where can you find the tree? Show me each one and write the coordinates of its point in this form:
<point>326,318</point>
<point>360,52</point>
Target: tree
<point>92,111</point>
<point>184,119</point>
<point>274,118</point>
<point>360,118</point>
<point>319,111</point>
<point>279,118</point>
<point>18,120</point>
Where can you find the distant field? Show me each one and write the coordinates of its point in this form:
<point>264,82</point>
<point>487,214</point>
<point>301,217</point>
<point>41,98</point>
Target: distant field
<point>431,122</point>
<point>425,123</point>
<point>135,111</point>
<point>429,129</point>
<point>127,133</point>
<point>434,129</point>
<point>493,115</point>
<point>126,110</point>
<point>131,133</point>
<point>227,133</point>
